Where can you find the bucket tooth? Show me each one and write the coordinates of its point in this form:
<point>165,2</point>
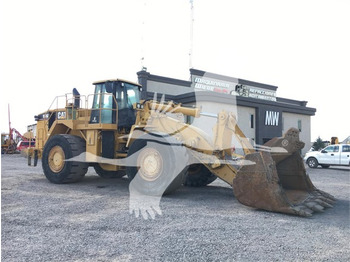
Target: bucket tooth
<point>302,211</point>
<point>322,203</point>
<point>326,195</point>
<point>327,200</point>
<point>314,206</point>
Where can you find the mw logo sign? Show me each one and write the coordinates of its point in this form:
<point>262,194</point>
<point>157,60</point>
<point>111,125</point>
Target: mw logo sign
<point>271,118</point>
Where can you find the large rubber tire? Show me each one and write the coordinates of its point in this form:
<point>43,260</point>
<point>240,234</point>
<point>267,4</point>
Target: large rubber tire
<point>198,175</point>
<point>162,155</point>
<point>108,174</point>
<point>312,162</point>
<point>58,149</point>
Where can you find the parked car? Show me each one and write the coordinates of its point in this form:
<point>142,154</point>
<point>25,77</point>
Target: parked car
<point>337,155</point>
<point>24,144</point>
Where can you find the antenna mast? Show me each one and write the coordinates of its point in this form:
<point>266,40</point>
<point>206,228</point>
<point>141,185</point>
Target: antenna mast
<point>143,36</point>
<point>191,35</point>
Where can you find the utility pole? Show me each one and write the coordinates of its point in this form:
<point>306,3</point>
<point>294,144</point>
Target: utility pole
<point>10,130</point>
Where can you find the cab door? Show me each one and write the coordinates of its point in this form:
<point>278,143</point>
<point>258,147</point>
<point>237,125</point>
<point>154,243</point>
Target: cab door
<point>103,107</point>
<point>345,155</point>
<point>330,155</point>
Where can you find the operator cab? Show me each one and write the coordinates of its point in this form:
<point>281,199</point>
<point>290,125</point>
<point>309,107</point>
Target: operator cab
<point>112,96</point>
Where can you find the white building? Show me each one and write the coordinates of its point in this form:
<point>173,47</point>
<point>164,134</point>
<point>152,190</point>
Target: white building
<point>261,114</point>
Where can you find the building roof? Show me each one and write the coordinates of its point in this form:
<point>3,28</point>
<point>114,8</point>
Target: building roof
<point>115,80</point>
<point>285,104</point>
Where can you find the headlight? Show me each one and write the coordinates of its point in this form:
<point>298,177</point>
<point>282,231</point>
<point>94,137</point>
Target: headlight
<point>139,106</point>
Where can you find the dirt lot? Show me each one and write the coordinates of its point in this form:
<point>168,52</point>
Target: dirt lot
<point>90,221</point>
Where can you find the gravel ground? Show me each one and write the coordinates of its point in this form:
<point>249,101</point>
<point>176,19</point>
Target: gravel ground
<point>90,221</point>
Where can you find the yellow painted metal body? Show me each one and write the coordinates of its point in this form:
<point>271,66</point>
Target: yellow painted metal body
<point>7,144</point>
<point>152,117</point>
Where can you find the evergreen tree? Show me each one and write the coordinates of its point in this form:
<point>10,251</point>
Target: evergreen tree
<point>318,144</point>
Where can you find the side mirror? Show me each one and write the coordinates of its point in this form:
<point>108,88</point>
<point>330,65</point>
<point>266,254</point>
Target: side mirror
<point>323,151</point>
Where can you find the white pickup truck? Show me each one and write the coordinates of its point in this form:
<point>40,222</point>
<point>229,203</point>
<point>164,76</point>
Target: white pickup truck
<point>337,155</point>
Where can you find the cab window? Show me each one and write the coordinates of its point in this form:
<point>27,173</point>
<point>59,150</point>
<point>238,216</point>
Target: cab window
<point>332,149</point>
<point>132,95</point>
<point>346,148</point>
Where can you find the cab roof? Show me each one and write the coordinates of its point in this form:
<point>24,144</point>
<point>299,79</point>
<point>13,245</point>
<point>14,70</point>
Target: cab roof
<point>116,80</point>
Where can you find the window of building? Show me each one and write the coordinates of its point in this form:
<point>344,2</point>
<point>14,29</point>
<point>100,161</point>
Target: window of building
<point>299,125</point>
<point>251,121</point>
<point>188,119</point>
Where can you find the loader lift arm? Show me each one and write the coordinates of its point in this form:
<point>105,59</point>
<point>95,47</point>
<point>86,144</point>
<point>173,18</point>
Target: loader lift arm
<point>271,177</point>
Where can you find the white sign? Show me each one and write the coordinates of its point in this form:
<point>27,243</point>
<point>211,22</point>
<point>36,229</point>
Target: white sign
<point>271,118</point>
<point>232,88</point>
<point>255,92</point>
<point>213,85</point>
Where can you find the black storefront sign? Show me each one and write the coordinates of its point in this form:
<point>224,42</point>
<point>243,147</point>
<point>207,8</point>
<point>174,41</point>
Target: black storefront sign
<point>269,123</point>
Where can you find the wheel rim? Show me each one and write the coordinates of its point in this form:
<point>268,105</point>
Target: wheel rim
<point>312,163</point>
<point>151,163</point>
<point>56,159</point>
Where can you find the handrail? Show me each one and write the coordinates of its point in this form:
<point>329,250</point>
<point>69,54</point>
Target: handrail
<point>100,108</point>
<point>56,99</point>
<point>70,110</point>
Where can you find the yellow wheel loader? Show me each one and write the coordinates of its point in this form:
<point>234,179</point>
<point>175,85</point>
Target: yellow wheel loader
<point>147,140</point>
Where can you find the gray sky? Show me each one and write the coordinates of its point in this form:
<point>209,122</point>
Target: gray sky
<point>48,47</point>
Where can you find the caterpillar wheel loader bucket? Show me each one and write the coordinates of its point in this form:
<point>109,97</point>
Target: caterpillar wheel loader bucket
<point>278,180</point>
